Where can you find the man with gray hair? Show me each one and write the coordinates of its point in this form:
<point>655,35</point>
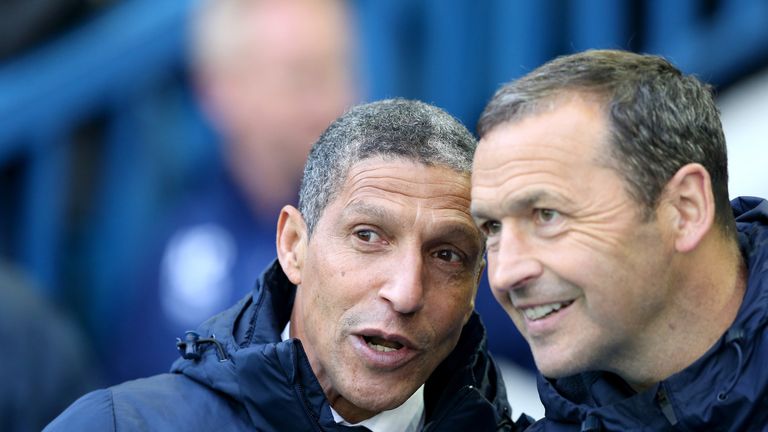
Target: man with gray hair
<point>601,182</point>
<point>366,320</point>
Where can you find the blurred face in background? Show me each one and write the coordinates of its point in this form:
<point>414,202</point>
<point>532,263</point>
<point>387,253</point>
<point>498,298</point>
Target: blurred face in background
<point>274,74</point>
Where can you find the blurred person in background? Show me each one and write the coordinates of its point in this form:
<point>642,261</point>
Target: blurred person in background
<point>45,362</point>
<point>601,180</point>
<point>270,76</point>
<point>364,322</point>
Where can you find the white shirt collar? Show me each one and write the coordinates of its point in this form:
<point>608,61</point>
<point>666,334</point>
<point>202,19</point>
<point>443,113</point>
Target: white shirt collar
<point>408,417</point>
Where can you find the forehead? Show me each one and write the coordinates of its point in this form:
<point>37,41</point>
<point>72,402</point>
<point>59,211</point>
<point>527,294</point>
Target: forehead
<point>303,25</point>
<point>400,179</point>
<point>555,151</point>
<point>573,129</point>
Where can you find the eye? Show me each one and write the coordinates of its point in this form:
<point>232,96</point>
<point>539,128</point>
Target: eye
<point>449,255</point>
<point>491,227</point>
<point>368,236</point>
<point>546,216</point>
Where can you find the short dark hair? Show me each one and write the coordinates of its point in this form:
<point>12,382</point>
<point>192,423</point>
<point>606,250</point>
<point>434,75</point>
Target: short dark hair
<point>393,128</point>
<point>660,119</point>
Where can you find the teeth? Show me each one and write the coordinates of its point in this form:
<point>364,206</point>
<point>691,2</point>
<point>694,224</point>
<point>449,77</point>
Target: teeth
<point>539,312</point>
<point>381,348</point>
<point>381,344</point>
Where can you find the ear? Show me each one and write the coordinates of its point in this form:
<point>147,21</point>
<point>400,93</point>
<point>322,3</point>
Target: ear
<point>291,242</point>
<point>689,195</point>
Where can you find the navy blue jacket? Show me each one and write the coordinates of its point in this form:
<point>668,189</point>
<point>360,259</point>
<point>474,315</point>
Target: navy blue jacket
<point>249,379</point>
<point>724,390</point>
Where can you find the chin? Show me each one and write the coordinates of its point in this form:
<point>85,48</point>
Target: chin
<point>556,369</point>
<point>376,400</point>
<point>376,405</point>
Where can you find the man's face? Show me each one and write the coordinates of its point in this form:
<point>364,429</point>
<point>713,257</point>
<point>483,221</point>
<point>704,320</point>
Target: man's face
<point>286,79</point>
<point>581,274</point>
<point>387,282</point>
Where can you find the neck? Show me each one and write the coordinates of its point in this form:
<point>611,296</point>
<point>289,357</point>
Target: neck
<point>711,284</point>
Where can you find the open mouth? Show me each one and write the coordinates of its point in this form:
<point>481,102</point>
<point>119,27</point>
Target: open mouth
<point>384,352</point>
<point>536,313</point>
<point>381,344</point>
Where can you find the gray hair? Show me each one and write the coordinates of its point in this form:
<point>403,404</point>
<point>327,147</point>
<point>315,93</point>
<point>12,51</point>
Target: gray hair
<point>660,119</point>
<point>393,128</point>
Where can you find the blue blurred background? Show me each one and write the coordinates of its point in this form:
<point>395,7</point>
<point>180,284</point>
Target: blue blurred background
<point>102,137</point>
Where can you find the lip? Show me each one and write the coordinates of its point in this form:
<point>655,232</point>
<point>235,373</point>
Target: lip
<point>383,360</point>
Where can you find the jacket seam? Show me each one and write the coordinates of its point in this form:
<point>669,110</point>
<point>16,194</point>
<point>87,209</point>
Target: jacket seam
<point>112,405</point>
<point>298,389</point>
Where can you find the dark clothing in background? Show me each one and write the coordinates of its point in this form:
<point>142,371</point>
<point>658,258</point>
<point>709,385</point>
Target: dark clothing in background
<point>726,389</point>
<point>207,254</point>
<point>258,382</point>
<point>45,363</point>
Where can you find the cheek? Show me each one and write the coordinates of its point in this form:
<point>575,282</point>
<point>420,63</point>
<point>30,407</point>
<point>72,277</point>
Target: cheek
<point>451,312</point>
<point>608,290</point>
<point>583,259</point>
<point>325,287</point>
<point>502,297</point>
<point>446,330</point>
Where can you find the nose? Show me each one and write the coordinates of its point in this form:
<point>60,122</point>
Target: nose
<point>512,264</point>
<point>404,289</point>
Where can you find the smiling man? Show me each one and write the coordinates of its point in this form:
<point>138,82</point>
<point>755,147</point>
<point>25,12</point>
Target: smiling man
<point>601,182</point>
<point>365,323</point>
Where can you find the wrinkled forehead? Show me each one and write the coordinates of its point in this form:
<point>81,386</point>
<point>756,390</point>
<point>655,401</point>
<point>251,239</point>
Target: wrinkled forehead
<point>406,177</point>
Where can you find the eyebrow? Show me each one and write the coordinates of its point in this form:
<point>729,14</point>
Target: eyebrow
<point>366,209</point>
<point>527,201</point>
